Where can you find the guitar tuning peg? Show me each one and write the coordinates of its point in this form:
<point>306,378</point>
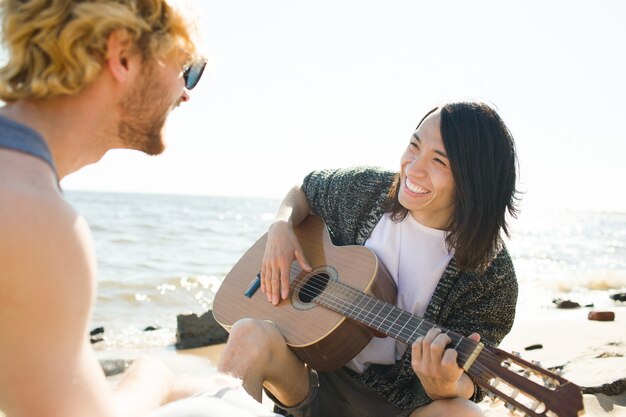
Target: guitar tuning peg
<point>549,382</point>
<point>536,363</point>
<point>506,363</point>
<point>516,354</point>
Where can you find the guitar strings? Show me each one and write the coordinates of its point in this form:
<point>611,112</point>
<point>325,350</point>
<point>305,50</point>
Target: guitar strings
<point>317,291</point>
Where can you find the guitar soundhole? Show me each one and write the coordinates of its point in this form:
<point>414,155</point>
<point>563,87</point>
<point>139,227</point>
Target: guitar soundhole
<point>313,287</point>
<point>307,286</point>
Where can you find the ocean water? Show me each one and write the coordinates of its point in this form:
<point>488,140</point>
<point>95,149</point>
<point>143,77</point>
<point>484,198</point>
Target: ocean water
<point>164,255</point>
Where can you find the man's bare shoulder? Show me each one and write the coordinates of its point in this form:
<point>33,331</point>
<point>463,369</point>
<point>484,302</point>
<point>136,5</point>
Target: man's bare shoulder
<point>46,293</point>
<point>30,210</point>
<point>43,241</point>
<point>28,191</point>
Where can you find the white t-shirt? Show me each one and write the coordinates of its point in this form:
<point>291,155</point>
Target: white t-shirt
<point>416,257</point>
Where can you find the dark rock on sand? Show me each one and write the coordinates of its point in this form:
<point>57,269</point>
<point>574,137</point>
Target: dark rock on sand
<point>565,303</point>
<point>534,347</point>
<point>96,335</point>
<point>620,296</point>
<point>193,331</point>
<point>614,388</point>
<point>601,315</point>
<point>151,329</point>
<point>114,366</point>
<point>97,330</point>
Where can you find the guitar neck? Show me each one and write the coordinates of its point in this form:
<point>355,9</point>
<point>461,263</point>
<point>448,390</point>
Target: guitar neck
<point>378,315</point>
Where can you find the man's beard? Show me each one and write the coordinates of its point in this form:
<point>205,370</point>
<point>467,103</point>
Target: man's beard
<point>143,116</point>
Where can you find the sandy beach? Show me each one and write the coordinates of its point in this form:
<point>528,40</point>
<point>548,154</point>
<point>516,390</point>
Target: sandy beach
<point>589,353</point>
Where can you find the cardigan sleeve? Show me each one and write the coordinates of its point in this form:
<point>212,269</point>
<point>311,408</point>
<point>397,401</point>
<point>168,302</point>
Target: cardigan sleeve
<point>484,304</point>
<point>346,199</point>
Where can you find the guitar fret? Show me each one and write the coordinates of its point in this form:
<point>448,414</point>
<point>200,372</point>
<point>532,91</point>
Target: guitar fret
<point>385,306</point>
<point>380,306</point>
<point>411,339</point>
<point>363,308</point>
<point>406,322</point>
<point>345,299</point>
<point>393,309</point>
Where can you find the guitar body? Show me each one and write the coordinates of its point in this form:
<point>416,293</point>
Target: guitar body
<point>324,339</point>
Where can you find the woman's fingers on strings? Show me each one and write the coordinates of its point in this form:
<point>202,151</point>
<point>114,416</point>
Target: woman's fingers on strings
<point>268,283</point>
<point>427,342</point>
<point>416,352</point>
<point>431,335</point>
<point>304,264</point>
<point>474,336</point>
<point>275,285</point>
<point>449,359</point>
<point>438,346</point>
<point>285,272</point>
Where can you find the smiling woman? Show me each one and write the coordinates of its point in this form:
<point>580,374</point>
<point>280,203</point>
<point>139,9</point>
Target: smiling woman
<point>435,225</point>
<point>426,187</point>
<point>467,156</point>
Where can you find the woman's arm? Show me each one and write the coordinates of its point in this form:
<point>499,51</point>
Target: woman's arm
<point>283,247</point>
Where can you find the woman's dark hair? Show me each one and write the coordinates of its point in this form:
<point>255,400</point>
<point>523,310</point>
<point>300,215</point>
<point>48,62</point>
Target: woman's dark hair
<point>483,162</point>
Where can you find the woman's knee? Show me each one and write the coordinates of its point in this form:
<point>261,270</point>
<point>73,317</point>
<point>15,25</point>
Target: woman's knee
<point>253,339</point>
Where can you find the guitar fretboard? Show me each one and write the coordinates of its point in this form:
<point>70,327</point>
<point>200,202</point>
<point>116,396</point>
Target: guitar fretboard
<point>377,314</point>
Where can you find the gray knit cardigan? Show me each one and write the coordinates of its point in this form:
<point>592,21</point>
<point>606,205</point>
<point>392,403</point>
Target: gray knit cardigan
<point>350,201</point>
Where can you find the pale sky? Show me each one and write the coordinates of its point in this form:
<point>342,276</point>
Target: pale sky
<point>293,86</point>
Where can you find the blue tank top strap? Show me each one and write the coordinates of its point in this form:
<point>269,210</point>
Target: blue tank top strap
<point>19,137</point>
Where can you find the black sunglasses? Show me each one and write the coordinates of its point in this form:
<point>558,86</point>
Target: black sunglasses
<point>193,72</point>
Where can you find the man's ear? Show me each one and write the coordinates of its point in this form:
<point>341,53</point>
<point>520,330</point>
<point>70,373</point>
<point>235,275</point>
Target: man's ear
<point>120,58</point>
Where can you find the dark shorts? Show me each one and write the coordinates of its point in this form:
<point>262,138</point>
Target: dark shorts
<point>337,394</point>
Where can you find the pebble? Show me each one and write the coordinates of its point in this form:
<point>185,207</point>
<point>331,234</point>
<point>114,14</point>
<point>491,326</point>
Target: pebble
<point>565,303</point>
<point>151,328</point>
<point>601,315</point>
<point>620,296</point>
<point>534,347</point>
<point>96,331</point>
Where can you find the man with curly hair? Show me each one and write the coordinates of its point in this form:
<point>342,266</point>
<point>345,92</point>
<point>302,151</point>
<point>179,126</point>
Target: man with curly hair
<point>82,77</point>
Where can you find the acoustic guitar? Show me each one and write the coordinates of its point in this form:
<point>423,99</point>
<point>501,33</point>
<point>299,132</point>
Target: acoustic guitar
<point>334,311</point>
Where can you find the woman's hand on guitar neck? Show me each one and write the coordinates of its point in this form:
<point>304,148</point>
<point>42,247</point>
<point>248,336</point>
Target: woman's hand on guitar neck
<point>281,250</point>
<point>436,366</point>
